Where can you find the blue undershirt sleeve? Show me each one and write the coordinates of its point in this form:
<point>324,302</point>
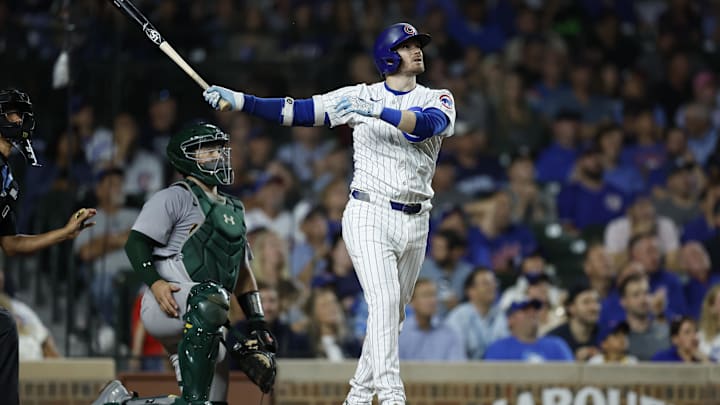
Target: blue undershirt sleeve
<point>285,111</point>
<point>429,122</point>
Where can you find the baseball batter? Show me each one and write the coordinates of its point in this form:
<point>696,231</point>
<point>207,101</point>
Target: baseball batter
<point>189,245</point>
<point>398,127</point>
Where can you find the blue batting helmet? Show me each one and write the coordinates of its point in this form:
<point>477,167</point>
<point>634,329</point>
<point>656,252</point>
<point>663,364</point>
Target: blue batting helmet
<point>387,59</point>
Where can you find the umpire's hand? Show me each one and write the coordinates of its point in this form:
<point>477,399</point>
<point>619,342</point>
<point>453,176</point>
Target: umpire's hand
<point>163,292</point>
<point>77,222</point>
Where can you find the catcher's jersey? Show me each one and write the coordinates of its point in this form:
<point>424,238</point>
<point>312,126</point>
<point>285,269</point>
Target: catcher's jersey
<point>385,162</point>
<point>169,217</point>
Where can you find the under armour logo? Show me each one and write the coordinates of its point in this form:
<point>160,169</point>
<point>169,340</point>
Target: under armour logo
<point>229,219</point>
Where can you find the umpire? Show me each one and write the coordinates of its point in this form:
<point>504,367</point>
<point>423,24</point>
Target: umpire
<point>17,123</point>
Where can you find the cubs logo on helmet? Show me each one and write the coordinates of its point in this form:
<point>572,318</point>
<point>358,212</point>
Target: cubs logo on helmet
<point>410,30</point>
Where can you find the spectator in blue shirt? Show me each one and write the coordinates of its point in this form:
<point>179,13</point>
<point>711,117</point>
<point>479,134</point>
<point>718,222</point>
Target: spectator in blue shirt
<point>627,178</point>
<point>644,249</point>
<point>524,343</point>
<point>446,268</point>
<point>479,321</point>
<point>685,344</point>
<point>705,226</point>
<point>555,163</point>
<point>308,258</point>
<point>695,262</point>
<point>494,240</point>
<point>589,200</point>
<point>423,336</point>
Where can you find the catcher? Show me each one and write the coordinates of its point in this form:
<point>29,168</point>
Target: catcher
<point>189,245</point>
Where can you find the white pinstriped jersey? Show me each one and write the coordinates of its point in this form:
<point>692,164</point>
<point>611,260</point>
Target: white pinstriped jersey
<point>385,162</point>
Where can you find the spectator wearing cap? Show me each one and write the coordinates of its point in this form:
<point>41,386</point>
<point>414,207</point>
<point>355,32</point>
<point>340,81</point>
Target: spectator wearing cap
<point>424,337</point>
<point>269,207</point>
<point>555,162</point>
<point>494,239</point>
<point>709,324</point>
<point>588,200</point>
<point>580,331</point>
<point>685,344</point>
<point>609,140</point>
<point>308,258</point>
<point>678,199</point>
<point>641,218</point>
<point>647,335</point>
<point>524,344</point>
<point>613,345</point>
<point>479,321</point>
<point>101,249</point>
<point>695,263</point>
<point>446,267</point>
<point>528,203</point>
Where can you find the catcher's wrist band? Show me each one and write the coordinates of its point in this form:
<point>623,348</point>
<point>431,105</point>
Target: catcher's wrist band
<point>251,305</point>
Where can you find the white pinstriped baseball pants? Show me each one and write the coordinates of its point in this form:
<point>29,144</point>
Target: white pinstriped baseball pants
<point>387,248</point>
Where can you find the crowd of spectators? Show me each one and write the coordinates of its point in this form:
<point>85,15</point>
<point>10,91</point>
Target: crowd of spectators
<point>577,207</point>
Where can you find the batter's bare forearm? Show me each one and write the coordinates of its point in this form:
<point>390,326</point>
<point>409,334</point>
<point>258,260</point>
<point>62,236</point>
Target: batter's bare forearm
<point>27,244</point>
<point>407,121</point>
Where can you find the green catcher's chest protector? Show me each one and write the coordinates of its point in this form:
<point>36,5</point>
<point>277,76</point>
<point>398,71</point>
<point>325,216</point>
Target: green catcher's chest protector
<point>216,249</point>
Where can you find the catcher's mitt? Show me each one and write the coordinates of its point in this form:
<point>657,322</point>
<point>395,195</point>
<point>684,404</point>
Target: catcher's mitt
<point>259,365</point>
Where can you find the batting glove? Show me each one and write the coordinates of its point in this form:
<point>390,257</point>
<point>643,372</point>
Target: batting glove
<point>358,105</point>
<point>214,94</point>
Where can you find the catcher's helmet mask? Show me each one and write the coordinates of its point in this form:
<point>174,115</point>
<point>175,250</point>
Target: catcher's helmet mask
<point>387,59</point>
<point>18,133</point>
<point>202,151</point>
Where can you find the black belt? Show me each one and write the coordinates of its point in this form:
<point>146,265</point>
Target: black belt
<point>409,209</point>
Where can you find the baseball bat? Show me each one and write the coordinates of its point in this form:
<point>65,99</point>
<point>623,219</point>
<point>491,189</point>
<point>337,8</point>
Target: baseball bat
<point>132,12</point>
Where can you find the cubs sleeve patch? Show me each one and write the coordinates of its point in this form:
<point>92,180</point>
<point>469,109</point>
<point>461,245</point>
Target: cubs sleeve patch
<point>447,101</point>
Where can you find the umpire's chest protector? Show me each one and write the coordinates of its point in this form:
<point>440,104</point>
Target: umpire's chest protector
<point>216,249</point>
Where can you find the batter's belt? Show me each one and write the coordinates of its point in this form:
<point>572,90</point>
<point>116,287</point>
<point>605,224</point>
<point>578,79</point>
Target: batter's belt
<point>405,208</point>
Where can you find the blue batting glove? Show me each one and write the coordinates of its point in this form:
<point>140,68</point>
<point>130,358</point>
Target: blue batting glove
<point>357,105</point>
<point>214,94</point>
